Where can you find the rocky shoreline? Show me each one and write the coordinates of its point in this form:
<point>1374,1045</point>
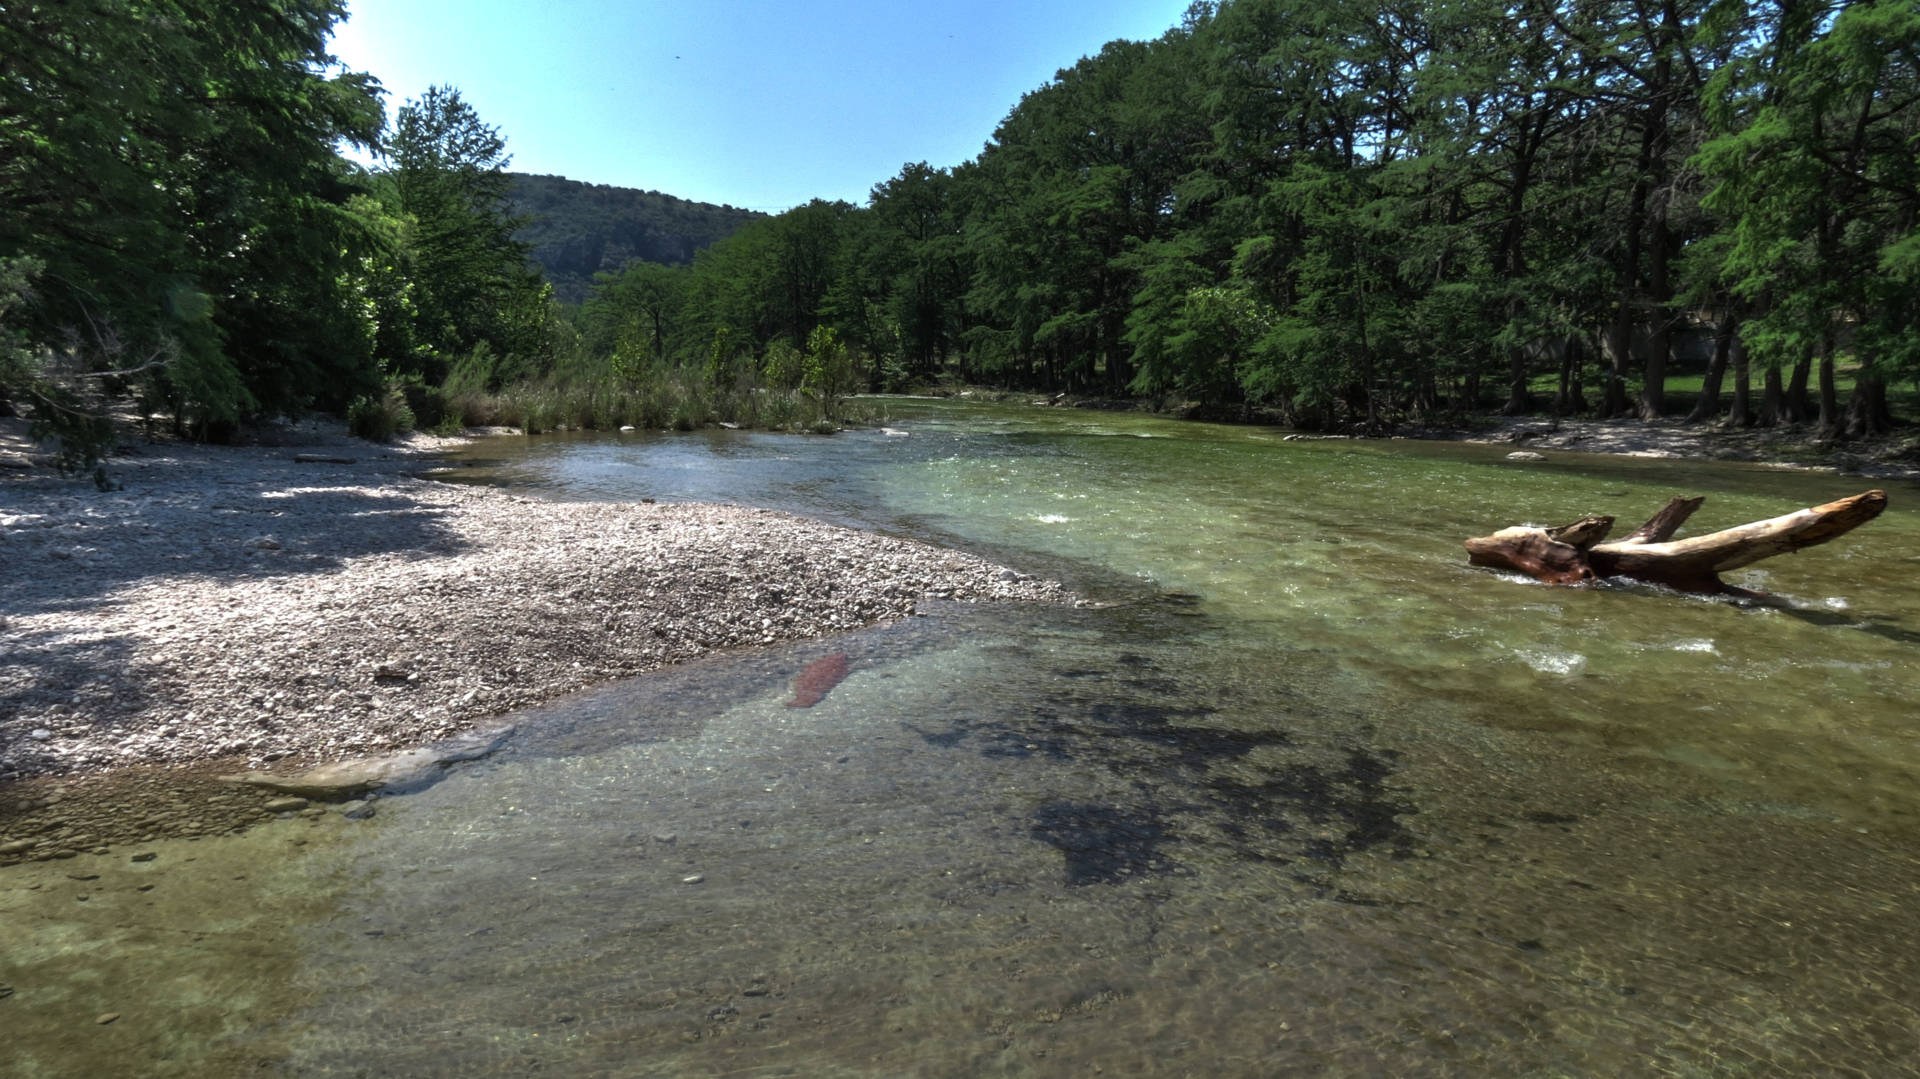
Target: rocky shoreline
<point>235,607</point>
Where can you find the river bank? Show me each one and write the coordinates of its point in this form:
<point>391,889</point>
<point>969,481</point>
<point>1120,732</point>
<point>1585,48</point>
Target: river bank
<point>273,606</point>
<point>1793,446</point>
<point>1784,447</point>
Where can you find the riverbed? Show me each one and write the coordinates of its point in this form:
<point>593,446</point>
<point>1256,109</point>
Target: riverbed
<point>1300,793</point>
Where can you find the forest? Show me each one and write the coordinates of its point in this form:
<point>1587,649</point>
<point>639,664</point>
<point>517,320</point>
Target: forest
<point>1345,216</point>
<point>575,230</point>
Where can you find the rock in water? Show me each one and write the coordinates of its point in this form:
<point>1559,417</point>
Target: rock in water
<point>819,676</point>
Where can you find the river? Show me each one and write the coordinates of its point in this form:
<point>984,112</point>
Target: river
<point>1302,793</point>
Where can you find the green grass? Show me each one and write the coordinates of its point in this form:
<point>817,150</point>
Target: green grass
<point>678,399</point>
<point>1684,387</point>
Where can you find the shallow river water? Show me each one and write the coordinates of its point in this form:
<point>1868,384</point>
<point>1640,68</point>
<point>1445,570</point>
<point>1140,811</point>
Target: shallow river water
<point>1305,794</point>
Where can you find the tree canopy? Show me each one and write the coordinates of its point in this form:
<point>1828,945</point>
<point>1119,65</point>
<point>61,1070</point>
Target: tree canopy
<point>1350,214</point>
<point>1364,211</point>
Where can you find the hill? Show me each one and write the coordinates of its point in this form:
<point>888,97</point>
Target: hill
<point>578,229</point>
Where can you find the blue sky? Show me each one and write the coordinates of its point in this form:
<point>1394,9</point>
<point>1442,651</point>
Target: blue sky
<point>755,103</point>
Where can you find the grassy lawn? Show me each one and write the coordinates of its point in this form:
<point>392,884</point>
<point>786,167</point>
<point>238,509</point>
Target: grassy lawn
<point>1684,386</point>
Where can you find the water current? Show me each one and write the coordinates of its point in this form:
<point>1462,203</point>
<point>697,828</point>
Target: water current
<point>1303,794</point>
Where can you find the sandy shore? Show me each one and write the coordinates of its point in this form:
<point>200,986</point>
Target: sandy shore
<point>237,604</point>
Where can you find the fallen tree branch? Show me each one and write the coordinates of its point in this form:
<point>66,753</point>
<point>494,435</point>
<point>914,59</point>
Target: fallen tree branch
<point>1574,554</point>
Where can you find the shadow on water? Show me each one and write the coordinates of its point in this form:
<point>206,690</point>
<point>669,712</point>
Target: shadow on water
<point>1881,628</point>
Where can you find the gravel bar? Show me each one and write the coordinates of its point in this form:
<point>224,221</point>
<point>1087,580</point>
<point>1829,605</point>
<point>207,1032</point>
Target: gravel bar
<point>237,603</point>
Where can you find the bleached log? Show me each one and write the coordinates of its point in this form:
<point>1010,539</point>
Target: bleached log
<point>1572,554</point>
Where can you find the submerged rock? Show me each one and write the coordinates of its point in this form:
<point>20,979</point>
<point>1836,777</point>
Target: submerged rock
<point>342,780</point>
<point>819,676</point>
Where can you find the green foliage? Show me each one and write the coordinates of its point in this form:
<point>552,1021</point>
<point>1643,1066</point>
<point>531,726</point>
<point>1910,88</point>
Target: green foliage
<point>1814,167</point>
<point>784,366</point>
<point>171,165</point>
<point>470,281</point>
<point>827,369</point>
<point>60,403</point>
<point>578,232</point>
<point>425,404</point>
<point>377,418</point>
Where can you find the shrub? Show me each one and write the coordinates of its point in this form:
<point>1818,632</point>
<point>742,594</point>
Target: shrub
<point>378,419</point>
<point>427,403</point>
<point>784,366</point>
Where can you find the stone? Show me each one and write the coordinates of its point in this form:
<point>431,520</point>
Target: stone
<point>143,856</point>
<point>1526,455</point>
<point>697,878</point>
<point>358,809</point>
<point>107,1018</point>
<point>18,846</point>
<point>285,805</point>
<point>414,768</point>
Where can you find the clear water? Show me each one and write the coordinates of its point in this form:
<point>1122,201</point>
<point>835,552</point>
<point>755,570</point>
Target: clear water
<point>1309,796</point>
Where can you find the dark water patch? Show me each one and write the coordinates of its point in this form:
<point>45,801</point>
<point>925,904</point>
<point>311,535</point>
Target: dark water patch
<point>1104,844</point>
<point>1301,800</point>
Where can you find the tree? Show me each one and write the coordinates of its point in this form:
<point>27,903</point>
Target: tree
<point>1814,166</point>
<point>170,167</point>
<point>634,314</point>
<point>471,279</point>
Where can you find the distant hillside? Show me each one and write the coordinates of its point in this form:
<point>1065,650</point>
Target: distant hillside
<point>579,229</point>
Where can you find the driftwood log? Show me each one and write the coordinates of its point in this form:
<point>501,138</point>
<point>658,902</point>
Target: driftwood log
<point>1575,553</point>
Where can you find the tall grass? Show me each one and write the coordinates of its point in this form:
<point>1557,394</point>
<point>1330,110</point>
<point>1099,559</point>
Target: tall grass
<point>667,398</point>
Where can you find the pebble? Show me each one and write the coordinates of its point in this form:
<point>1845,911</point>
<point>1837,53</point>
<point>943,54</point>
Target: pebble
<point>697,878</point>
<point>143,856</point>
<point>107,1018</point>
<point>285,805</point>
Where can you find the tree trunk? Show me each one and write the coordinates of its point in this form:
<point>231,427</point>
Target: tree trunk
<point>1619,346</point>
<point>1829,425</point>
<point>1569,401</point>
<point>1708,406</point>
<point>1773,401</point>
<point>1573,554</point>
<point>1867,413</point>
<point>1741,416</point>
<point>1519,401</point>
<point>1794,405</point>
